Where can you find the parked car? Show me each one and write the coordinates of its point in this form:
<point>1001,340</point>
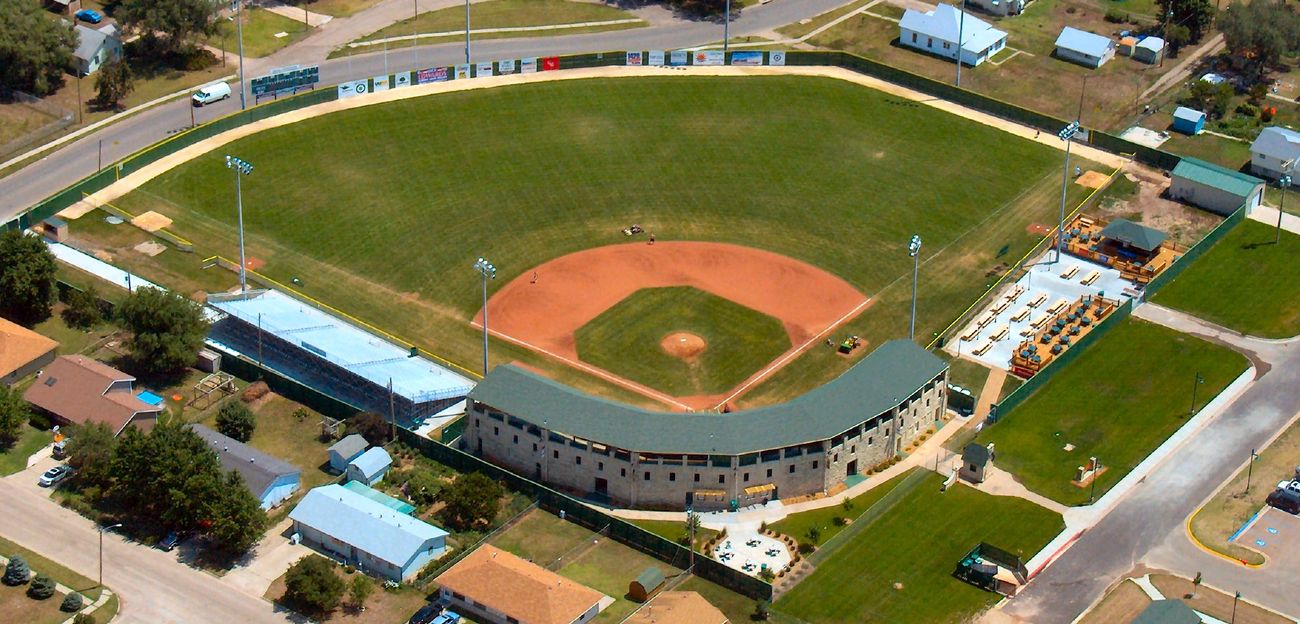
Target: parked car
<point>427,613</point>
<point>1286,500</point>
<point>171,540</point>
<point>90,15</point>
<point>60,449</point>
<point>214,92</point>
<point>55,475</point>
<point>450,617</point>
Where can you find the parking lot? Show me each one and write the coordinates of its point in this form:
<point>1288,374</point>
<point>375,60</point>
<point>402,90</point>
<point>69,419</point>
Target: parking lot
<point>1275,533</point>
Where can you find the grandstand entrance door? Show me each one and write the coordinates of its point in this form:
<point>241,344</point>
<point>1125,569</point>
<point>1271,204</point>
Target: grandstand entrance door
<point>853,467</point>
<point>602,486</point>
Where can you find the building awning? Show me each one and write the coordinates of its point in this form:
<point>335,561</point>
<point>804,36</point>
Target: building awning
<point>1133,235</point>
<point>759,489</point>
<point>710,493</point>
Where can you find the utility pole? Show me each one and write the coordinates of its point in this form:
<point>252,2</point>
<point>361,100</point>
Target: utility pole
<point>239,26</point>
<point>101,550</point>
<point>914,250</point>
<point>726,32</point>
<point>467,32</point>
<point>1250,467</point>
<point>1067,134</point>
<point>1199,380</point>
<point>961,29</point>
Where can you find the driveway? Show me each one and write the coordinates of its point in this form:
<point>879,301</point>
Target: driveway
<point>271,559</point>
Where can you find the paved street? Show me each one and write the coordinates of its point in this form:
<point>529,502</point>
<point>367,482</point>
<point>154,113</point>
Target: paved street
<point>1148,526</point>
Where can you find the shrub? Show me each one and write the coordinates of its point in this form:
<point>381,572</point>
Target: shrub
<point>847,504</point>
<point>1266,114</point>
<point>234,419</point>
<point>761,611</point>
<point>1116,16</point>
<point>84,618</point>
<point>1246,109</point>
<point>312,584</point>
<point>42,587</point>
<point>767,574</point>
<point>349,569</point>
<point>82,311</point>
<point>72,602</point>
<point>838,521</point>
<point>255,391</point>
<point>806,548</point>
<point>814,534</point>
<point>17,572</point>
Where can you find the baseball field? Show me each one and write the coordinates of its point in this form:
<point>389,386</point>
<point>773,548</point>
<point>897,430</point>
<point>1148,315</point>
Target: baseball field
<point>380,211</point>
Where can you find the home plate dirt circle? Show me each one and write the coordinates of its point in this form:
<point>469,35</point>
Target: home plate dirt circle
<point>683,345</point>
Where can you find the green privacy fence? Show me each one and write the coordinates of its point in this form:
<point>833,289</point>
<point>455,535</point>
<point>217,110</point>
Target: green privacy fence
<point>1031,385</point>
<point>1195,252</point>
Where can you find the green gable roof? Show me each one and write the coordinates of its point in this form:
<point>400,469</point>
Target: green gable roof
<point>1133,235</point>
<point>883,379</point>
<point>1234,182</point>
<point>650,579</point>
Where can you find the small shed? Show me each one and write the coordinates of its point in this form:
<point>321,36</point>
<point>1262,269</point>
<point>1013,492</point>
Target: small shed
<point>1214,188</point>
<point>344,451</point>
<point>56,229</point>
<point>646,584</point>
<point>974,461</point>
<point>1188,121</point>
<point>1149,50</point>
<point>1168,612</point>
<point>1084,48</point>
<point>370,467</point>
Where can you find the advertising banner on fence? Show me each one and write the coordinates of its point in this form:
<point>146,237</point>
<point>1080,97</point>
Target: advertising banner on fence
<point>677,57</point>
<point>709,57</point>
<point>379,83</point>
<point>655,58</point>
<point>550,63</point>
<point>506,66</point>
<point>484,68</point>
<point>776,57</point>
<point>633,58</point>
<point>356,87</point>
<point>433,74</point>
<point>748,58</point>
<point>401,79</point>
<point>462,71</point>
<point>528,65</point>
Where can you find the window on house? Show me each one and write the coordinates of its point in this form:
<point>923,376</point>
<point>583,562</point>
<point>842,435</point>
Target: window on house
<point>913,37</point>
<point>577,459</point>
<point>946,45</point>
<point>600,466</point>
<point>929,42</point>
<point>746,475</point>
<point>871,440</point>
<point>697,477</point>
<point>769,473</point>
<point>516,440</point>
<point>496,431</point>
<point>534,447</point>
<point>622,472</point>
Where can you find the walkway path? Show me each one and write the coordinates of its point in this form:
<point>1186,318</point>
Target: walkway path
<point>1268,216</point>
<point>992,391</point>
<point>315,20</point>
<point>999,482</point>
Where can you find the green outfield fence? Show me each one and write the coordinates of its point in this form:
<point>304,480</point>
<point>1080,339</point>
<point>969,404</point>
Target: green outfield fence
<point>1196,251</point>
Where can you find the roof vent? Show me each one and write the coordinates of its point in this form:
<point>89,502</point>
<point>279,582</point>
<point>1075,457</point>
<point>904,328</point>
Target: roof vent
<point>50,381</point>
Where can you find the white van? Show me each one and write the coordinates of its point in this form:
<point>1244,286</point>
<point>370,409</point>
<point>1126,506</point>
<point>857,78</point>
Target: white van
<point>214,92</point>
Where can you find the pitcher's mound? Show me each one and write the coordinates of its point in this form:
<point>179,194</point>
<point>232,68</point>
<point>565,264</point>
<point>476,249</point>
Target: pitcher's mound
<point>683,345</point>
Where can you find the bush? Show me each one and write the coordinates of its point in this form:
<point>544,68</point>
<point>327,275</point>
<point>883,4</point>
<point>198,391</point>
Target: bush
<point>814,534</point>
<point>72,602</point>
<point>838,521</point>
<point>1266,114</point>
<point>236,420</point>
<point>767,574</point>
<point>806,548</point>
<point>1116,16</point>
<point>312,584</point>
<point>1246,109</point>
<point>761,611</point>
<point>17,572</point>
<point>83,618</point>
<point>42,587</point>
<point>82,311</point>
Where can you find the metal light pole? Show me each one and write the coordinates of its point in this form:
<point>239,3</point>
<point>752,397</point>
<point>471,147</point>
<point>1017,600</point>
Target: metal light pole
<point>1283,183</point>
<point>1067,134</point>
<point>961,27</point>
<point>1199,380</point>
<point>1250,467</point>
<point>467,37</point>
<point>489,272</point>
<point>726,31</point>
<point>241,169</point>
<point>1236,596</point>
<point>239,25</point>
<point>1092,492</point>
<point>415,23</point>
<point>101,550</point>
<point>914,250</point>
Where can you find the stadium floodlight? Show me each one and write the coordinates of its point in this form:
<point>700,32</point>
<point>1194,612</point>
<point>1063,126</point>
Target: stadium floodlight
<point>241,168</point>
<point>1283,183</point>
<point>914,250</point>
<point>1066,134</point>
<point>488,271</point>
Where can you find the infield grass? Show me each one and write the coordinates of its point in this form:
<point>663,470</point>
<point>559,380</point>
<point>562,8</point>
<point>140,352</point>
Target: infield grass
<point>899,569</point>
<point>626,340</point>
<point>377,210</point>
<point>1117,402</point>
<point>1245,282</point>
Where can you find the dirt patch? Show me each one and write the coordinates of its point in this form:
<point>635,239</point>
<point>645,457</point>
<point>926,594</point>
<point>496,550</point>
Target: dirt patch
<point>1184,224</point>
<point>1038,229</point>
<point>683,345</point>
<point>76,211</point>
<point>1092,179</point>
<point>151,221</point>
<point>253,264</point>
<point>150,248</point>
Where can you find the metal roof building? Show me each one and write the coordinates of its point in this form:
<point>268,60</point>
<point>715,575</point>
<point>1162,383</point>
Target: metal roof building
<point>269,478</point>
<point>1275,153</point>
<point>937,31</point>
<point>1134,235</point>
<point>370,466</point>
<point>367,533</point>
<point>1214,188</point>
<point>1084,48</point>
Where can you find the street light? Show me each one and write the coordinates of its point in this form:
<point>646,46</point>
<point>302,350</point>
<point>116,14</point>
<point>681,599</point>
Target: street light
<point>1250,467</point>
<point>1096,472</point>
<point>1283,183</point>
<point>467,37</point>
<point>489,271</point>
<point>1236,596</point>
<point>238,7</point>
<point>726,30</point>
<point>914,250</point>
<point>101,550</point>
<point>241,168</point>
<point>1066,134</point>
<point>1199,380</point>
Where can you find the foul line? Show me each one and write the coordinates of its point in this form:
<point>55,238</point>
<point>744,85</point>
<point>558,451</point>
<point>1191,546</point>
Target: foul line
<point>780,362</point>
<point>587,368</point>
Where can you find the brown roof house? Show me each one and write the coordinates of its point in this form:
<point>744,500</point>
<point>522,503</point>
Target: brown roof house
<point>22,352</point>
<point>75,389</point>
<point>496,586</point>
<point>678,607</point>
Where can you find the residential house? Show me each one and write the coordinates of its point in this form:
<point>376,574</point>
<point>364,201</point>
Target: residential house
<point>75,389</point>
<point>1275,153</point>
<point>370,467</point>
<point>270,479</point>
<point>66,8</point>
<point>366,533</point>
<point>492,585</point>
<point>22,352</point>
<point>344,451</point>
<point>1214,188</point>
<point>1149,50</point>
<point>937,31</point>
<point>1188,120</point>
<point>678,607</point>
<point>1084,48</point>
<point>1001,8</point>
<point>94,48</point>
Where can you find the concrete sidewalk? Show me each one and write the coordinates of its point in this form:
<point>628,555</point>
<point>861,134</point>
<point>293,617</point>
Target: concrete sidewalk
<point>296,13</point>
<point>1268,216</point>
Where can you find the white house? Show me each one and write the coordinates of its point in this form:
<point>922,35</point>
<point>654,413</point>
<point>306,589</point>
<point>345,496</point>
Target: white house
<point>94,48</point>
<point>1275,153</point>
<point>1084,48</point>
<point>1001,8</point>
<point>937,31</point>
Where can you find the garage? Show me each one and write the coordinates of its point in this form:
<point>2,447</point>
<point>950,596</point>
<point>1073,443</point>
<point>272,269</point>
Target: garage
<point>1214,188</point>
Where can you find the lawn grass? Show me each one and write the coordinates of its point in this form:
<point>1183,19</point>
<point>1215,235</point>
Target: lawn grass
<point>1215,604</point>
<point>626,340</point>
<point>30,440</point>
<point>1117,401</point>
<point>797,525</point>
<point>1121,604</point>
<point>674,530</point>
<point>18,607</point>
<point>547,189</point>
<point>337,8</point>
<point>85,586</point>
<point>542,538</point>
<point>899,569</point>
<point>802,28</point>
<point>280,434</point>
<point>383,607</point>
<point>1245,282</point>
<point>260,28</point>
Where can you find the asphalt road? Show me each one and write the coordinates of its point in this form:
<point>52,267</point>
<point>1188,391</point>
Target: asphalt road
<point>81,158</point>
<point>1148,526</point>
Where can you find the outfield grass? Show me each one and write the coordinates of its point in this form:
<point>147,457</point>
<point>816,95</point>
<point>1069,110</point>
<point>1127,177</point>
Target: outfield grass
<point>30,440</point>
<point>797,525</point>
<point>1117,402</point>
<point>817,169</point>
<point>625,340</point>
<point>1245,282</point>
<point>899,569</point>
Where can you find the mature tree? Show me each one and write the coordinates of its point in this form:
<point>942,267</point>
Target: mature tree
<point>1260,33</point>
<point>423,487</point>
<point>1196,15</point>
<point>703,8</point>
<point>1213,99</point>
<point>42,587</point>
<point>169,474</point>
<point>130,468</point>
<point>84,618</point>
<point>1177,36</point>
<point>174,23</point>
<point>168,329</point>
<point>359,590</point>
<point>16,571</point>
<point>82,311</point>
<point>90,450</point>
<point>312,584</point>
<point>234,419</point>
<point>113,83</point>
<point>13,413</point>
<point>28,285</point>
<point>237,519</point>
<point>373,427</point>
<point>35,50</point>
<point>471,500</point>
